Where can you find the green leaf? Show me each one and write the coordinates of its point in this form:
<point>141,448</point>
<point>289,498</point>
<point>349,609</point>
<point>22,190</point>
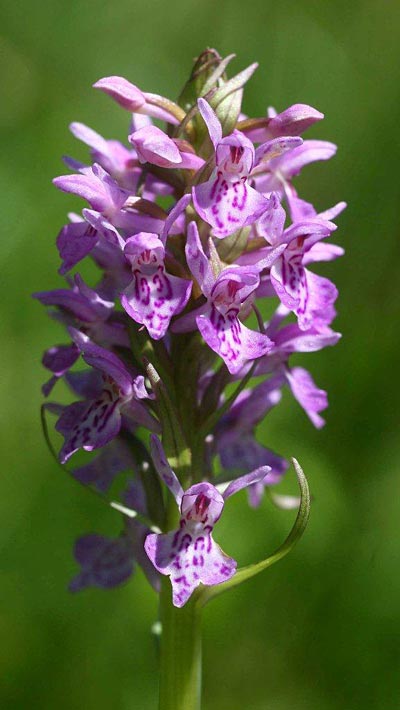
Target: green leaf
<point>294,536</point>
<point>228,111</point>
<point>207,68</point>
<point>217,74</point>
<point>234,84</point>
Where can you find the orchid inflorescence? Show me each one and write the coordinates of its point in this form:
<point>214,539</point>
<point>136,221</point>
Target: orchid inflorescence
<point>194,229</point>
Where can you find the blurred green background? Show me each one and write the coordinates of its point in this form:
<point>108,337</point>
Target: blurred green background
<point>321,630</point>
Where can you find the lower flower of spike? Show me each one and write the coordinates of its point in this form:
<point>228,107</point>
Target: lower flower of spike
<point>189,555</point>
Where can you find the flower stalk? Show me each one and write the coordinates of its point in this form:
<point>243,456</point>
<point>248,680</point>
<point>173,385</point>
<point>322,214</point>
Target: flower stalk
<point>180,654</point>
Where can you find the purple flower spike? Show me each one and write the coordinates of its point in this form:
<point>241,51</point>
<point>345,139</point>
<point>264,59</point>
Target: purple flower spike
<point>189,555</point>
<point>188,227</point>
<point>226,201</point>
<point>105,562</point>
<point>153,296</point>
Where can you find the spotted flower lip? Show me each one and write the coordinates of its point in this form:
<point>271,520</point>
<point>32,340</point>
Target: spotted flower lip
<point>153,296</point>
<point>189,555</point>
<point>309,296</point>
<point>227,201</point>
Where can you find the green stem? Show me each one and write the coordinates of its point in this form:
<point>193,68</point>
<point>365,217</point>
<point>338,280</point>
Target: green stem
<point>180,668</point>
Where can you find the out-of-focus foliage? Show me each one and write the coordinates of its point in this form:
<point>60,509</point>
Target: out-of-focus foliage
<point>320,630</point>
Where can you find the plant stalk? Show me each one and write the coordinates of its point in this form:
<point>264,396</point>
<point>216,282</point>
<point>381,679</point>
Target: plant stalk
<point>180,660</point>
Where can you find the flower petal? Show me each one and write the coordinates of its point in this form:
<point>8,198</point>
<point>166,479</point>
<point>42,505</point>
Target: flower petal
<point>164,470</point>
<point>230,339</point>
<point>244,481</point>
<point>197,261</point>
<point>310,398</point>
<point>212,122</point>
<point>189,559</point>
<point>227,206</point>
<point>88,425</point>
<point>152,299</point>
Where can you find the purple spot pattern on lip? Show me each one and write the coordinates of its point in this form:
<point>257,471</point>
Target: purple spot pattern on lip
<point>96,423</point>
<point>154,296</point>
<point>189,555</point>
<point>232,340</point>
<point>309,296</point>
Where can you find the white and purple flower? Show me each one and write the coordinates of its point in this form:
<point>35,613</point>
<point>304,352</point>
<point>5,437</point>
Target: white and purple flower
<point>189,555</point>
<point>218,319</point>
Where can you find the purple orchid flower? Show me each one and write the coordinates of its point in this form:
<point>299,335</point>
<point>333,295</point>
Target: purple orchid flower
<point>105,562</point>
<point>117,160</point>
<point>93,423</point>
<point>189,555</point>
<point>291,122</point>
<point>277,174</point>
<point>218,319</point>
<point>103,468</point>
<point>153,297</point>
<point>83,303</point>
<point>74,242</point>
<point>235,440</point>
<point>83,306</point>
<point>113,207</point>
<point>227,201</point>
<point>288,340</point>
<point>309,296</point>
<point>108,562</point>
<point>97,187</point>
